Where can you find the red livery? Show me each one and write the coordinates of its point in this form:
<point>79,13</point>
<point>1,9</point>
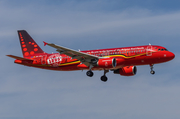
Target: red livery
<point>121,61</point>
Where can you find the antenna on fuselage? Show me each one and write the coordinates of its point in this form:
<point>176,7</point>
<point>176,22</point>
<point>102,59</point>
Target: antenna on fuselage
<point>149,43</point>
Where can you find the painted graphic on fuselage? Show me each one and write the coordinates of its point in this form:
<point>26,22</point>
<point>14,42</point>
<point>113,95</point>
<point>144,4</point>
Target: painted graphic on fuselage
<point>54,60</point>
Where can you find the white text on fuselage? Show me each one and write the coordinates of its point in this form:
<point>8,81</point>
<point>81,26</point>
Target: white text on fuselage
<point>54,60</point>
<point>117,50</point>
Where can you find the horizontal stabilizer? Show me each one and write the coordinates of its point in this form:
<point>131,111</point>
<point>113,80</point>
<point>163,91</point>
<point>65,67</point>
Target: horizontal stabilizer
<point>19,58</point>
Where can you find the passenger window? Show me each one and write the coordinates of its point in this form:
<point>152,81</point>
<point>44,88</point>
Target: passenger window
<point>162,49</point>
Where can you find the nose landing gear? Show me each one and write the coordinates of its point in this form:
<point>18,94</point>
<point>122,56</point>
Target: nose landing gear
<point>152,71</point>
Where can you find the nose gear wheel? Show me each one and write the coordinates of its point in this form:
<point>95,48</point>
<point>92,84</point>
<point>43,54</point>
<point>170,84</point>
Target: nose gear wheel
<point>152,71</point>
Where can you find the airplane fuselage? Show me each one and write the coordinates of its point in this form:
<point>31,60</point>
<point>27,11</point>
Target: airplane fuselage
<point>126,56</point>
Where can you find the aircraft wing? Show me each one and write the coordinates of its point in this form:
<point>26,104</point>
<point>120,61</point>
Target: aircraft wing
<point>83,57</point>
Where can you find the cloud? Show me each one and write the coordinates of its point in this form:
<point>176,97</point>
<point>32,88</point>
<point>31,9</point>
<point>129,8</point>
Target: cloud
<point>132,24</point>
<point>79,96</point>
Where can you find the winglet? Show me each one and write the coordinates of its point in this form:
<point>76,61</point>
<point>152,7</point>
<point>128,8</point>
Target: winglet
<point>45,43</point>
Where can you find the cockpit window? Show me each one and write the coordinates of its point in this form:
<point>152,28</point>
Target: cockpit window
<point>163,49</point>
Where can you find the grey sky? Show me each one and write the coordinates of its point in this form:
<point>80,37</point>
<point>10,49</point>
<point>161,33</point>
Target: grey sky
<point>35,93</point>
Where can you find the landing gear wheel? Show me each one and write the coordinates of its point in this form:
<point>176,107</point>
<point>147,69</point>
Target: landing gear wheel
<point>89,73</point>
<point>152,72</point>
<point>104,78</point>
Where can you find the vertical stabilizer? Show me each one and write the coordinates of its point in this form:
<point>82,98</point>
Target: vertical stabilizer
<point>28,45</point>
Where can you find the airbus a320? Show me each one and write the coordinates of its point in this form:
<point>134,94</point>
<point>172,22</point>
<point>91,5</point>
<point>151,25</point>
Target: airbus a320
<point>122,60</point>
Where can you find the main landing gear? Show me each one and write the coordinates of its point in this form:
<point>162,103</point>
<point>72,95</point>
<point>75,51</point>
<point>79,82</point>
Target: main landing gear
<point>104,78</point>
<point>89,73</point>
<point>152,71</point>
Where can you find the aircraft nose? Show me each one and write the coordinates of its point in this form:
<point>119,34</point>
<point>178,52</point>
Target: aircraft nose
<point>170,55</point>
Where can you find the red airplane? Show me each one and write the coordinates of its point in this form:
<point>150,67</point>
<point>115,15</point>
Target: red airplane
<point>121,61</point>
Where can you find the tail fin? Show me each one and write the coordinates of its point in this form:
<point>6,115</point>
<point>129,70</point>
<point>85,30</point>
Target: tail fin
<point>28,45</point>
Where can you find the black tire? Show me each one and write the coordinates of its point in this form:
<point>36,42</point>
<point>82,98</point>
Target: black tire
<point>152,72</point>
<point>104,78</point>
<point>89,73</point>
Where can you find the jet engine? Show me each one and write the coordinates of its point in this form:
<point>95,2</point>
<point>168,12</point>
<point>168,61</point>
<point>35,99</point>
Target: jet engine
<point>107,63</point>
<point>126,71</point>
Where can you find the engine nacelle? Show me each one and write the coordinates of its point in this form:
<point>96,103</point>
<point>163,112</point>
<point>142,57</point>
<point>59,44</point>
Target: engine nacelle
<point>126,71</point>
<point>107,63</point>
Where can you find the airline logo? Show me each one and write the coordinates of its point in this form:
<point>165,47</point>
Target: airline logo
<point>29,48</point>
